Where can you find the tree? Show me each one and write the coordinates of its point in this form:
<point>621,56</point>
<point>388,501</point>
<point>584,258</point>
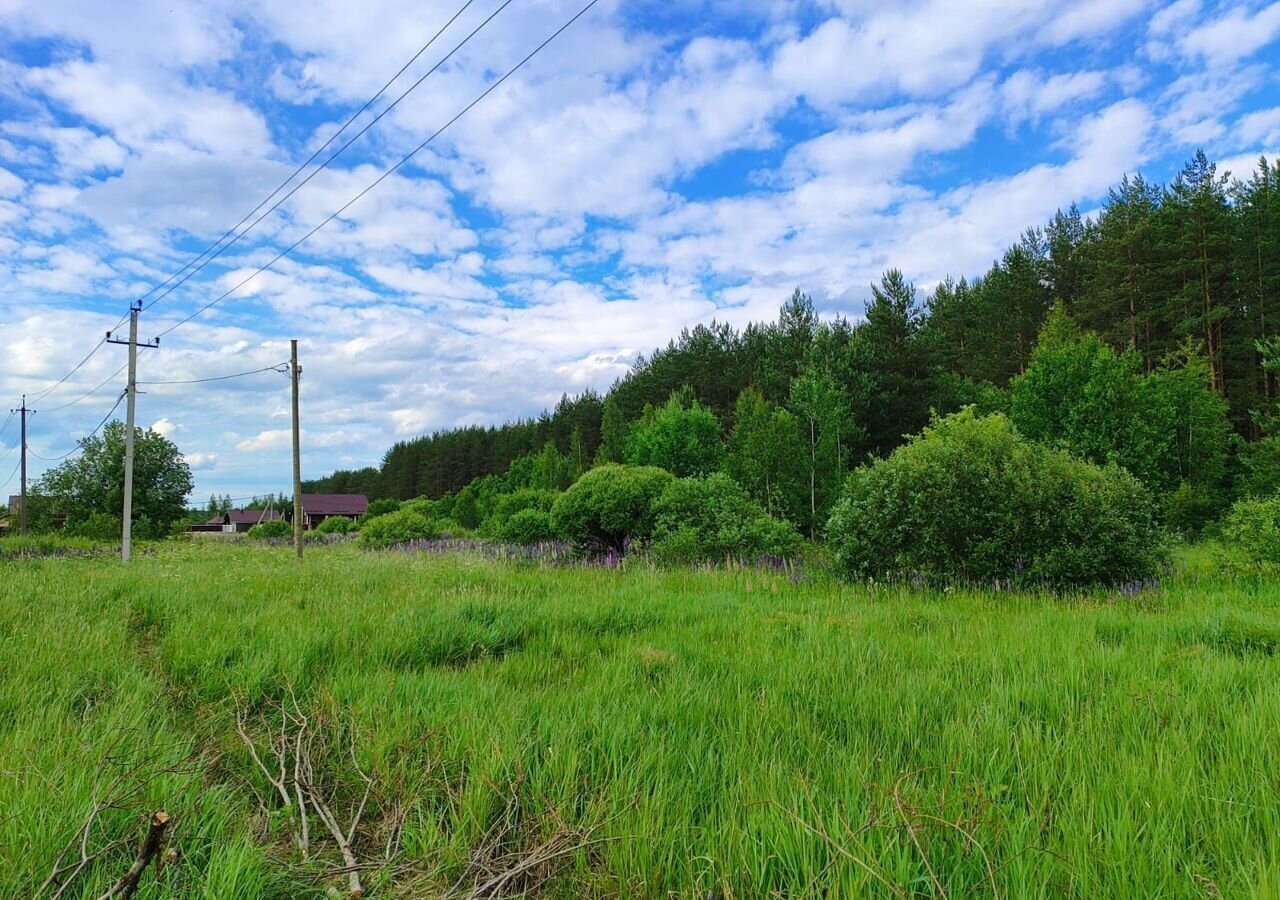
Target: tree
<point>1168,428</point>
<point>766,455</point>
<point>682,437</point>
<point>613,433</point>
<point>93,482</point>
<point>818,403</point>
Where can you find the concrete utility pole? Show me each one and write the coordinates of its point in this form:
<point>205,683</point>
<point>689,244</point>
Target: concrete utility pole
<point>22,453</point>
<point>294,373</point>
<point>126,536</point>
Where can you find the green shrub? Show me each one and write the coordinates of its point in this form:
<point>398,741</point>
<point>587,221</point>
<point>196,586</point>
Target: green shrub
<point>380,508</point>
<point>337,525</point>
<point>99,526</point>
<point>528,526</point>
<point>712,518</point>
<point>970,499</point>
<point>508,505</point>
<point>398,528</point>
<point>610,506</point>
<point>1252,528</point>
<point>277,528</point>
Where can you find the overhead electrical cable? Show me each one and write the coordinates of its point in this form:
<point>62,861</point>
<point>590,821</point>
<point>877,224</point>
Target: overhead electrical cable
<point>36,398</point>
<point>347,124</point>
<point>386,174</point>
<point>88,393</point>
<point>215,253</point>
<point>80,441</point>
<point>283,368</point>
<point>5,483</point>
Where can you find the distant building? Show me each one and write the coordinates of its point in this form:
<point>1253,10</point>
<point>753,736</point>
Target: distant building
<point>318,507</point>
<point>236,521</point>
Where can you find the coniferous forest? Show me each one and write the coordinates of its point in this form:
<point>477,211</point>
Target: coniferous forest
<point>1144,336</point>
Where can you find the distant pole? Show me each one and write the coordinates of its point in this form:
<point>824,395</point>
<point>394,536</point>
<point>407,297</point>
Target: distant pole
<point>294,371</point>
<point>126,538</point>
<point>126,525</point>
<point>22,510</point>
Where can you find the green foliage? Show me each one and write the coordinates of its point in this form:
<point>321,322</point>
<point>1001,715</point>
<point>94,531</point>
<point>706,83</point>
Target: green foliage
<point>508,505</point>
<point>528,526</point>
<point>99,526</point>
<point>713,519</point>
<point>466,507</point>
<point>1252,527</point>
<point>766,455</point>
<point>398,528</point>
<point>380,508</point>
<point>613,433</point>
<point>682,437</point>
<point>341,524</point>
<point>610,506</point>
<point>972,500</point>
<point>93,482</point>
<point>277,528</point>
<point>1168,428</point>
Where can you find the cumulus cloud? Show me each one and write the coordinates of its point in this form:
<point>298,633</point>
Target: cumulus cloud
<point>646,173</point>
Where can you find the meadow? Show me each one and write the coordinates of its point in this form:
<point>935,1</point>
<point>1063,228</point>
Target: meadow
<point>522,729</point>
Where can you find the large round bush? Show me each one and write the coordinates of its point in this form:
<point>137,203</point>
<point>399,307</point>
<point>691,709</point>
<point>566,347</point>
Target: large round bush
<point>712,518</point>
<point>610,506</point>
<point>529,526</point>
<point>1253,529</point>
<point>336,525</point>
<point>398,527</point>
<point>970,499</point>
<point>276,528</point>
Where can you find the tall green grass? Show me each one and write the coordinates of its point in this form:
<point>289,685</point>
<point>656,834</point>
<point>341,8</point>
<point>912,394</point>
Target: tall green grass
<point>668,732</point>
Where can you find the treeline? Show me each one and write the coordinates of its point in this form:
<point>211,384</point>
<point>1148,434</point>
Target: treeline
<point>1177,277</point>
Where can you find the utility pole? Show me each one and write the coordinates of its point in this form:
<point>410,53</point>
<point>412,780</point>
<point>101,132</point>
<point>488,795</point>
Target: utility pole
<point>294,373</point>
<point>22,452</point>
<point>126,536</point>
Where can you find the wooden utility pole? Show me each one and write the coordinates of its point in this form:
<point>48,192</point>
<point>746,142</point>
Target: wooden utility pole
<point>126,533</point>
<point>294,372</point>
<point>22,454</point>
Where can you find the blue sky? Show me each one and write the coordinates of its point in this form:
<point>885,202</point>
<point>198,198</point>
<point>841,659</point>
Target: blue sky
<point>658,166</point>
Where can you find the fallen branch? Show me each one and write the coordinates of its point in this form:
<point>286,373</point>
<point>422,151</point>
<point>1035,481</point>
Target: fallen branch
<point>151,844</point>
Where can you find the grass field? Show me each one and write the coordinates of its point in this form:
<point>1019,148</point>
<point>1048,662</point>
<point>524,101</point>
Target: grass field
<point>593,732</point>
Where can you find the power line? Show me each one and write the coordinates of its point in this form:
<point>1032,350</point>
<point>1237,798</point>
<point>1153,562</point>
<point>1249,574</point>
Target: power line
<point>281,186</point>
<point>214,250</point>
<point>386,174</point>
<point>79,442</point>
<point>57,384</point>
<point>282,368</point>
<point>5,483</point>
<point>89,393</point>
<point>7,421</point>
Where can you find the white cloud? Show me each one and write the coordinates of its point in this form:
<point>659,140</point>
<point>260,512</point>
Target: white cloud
<point>1236,34</point>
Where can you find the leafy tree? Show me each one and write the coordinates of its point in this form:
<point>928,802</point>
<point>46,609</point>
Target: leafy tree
<point>93,481</point>
<point>970,499</point>
<point>819,406</point>
<point>1168,428</point>
<point>766,455</point>
<point>552,471</point>
<point>682,437</point>
<point>610,506</point>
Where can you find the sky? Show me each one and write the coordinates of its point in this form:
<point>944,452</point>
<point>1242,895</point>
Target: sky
<point>656,166</point>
